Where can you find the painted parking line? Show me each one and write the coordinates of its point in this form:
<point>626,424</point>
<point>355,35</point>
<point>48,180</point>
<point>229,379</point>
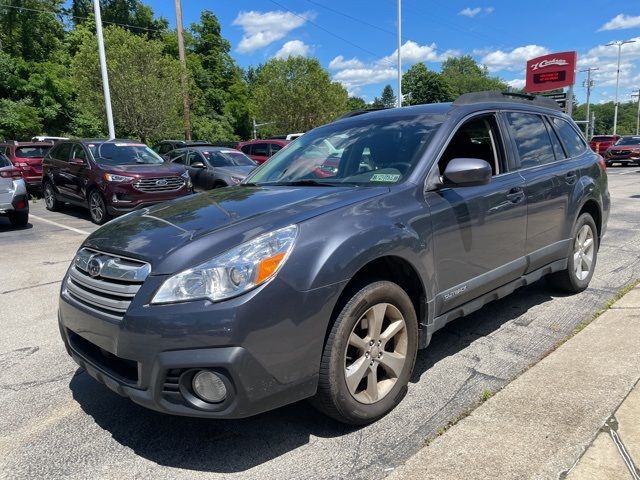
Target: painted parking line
<point>60,225</point>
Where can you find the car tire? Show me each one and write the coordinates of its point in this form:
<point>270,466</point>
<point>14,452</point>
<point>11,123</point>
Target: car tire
<point>51,202</point>
<point>98,208</point>
<point>584,254</point>
<point>369,355</point>
<point>19,219</point>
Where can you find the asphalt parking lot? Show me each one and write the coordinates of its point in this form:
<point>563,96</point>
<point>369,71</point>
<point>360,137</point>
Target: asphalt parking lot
<point>57,422</point>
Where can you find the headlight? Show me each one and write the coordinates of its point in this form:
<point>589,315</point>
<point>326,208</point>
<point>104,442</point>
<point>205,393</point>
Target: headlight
<point>232,273</point>
<point>110,177</point>
<point>236,180</point>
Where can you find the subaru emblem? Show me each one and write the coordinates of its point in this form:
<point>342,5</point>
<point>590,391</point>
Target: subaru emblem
<point>94,266</point>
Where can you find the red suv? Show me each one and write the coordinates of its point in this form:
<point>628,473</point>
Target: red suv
<point>261,150</point>
<point>600,143</point>
<point>27,156</point>
<point>110,177</point>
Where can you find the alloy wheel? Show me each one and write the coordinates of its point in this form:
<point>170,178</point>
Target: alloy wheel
<point>49,199</point>
<point>96,208</point>
<point>376,353</point>
<point>583,251</point>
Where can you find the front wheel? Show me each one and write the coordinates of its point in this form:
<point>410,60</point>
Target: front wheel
<point>97,208</point>
<point>582,260</point>
<point>369,355</point>
<point>50,200</point>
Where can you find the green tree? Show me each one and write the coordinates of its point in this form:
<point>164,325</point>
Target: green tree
<point>18,119</point>
<point>388,99</point>
<point>356,103</point>
<point>297,94</point>
<point>145,86</point>
<point>464,75</point>
<point>424,86</point>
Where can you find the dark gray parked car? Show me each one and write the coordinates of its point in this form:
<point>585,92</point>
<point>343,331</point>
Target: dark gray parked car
<point>213,167</point>
<point>293,285</point>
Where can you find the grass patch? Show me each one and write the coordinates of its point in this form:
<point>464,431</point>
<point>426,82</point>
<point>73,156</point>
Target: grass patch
<point>486,394</point>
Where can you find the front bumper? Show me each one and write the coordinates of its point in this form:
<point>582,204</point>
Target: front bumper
<point>269,350</point>
<point>123,198</point>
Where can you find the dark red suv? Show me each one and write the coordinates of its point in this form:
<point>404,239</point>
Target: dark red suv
<point>27,156</point>
<point>600,143</point>
<point>110,177</point>
<point>261,150</point>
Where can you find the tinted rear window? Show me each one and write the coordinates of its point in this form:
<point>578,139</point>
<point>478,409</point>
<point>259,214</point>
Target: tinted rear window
<point>571,139</point>
<point>602,139</point>
<point>31,152</point>
<point>4,161</point>
<point>531,138</point>
<point>628,141</point>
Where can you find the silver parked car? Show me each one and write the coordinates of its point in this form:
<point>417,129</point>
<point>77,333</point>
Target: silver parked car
<point>14,201</point>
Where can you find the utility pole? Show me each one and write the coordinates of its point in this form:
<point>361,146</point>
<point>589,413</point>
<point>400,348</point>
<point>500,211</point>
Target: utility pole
<point>183,69</point>
<point>399,54</point>
<point>589,85</point>
<point>637,94</point>
<point>103,69</point>
<point>619,44</point>
<point>593,124</point>
<point>256,125</point>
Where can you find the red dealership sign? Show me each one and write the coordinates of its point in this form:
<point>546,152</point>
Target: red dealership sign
<point>552,71</point>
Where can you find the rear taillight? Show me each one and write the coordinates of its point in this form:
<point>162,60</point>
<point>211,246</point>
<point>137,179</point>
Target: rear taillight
<point>20,204</point>
<point>11,173</point>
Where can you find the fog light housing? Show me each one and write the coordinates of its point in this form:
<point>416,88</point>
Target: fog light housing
<point>209,387</point>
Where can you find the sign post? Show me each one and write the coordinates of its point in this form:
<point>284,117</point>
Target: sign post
<point>551,72</point>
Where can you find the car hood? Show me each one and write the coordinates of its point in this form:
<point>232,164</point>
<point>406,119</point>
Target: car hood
<point>184,232</point>
<point>144,169</point>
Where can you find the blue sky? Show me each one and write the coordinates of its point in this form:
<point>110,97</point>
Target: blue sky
<point>355,39</point>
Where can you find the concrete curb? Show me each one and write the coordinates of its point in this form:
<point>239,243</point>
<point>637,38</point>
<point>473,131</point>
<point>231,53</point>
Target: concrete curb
<point>542,422</point>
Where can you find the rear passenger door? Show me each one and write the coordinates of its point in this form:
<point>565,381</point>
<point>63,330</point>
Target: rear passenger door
<point>260,152</point>
<point>60,169</point>
<point>549,180</point>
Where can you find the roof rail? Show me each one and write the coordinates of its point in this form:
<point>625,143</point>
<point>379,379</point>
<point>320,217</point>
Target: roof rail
<point>355,113</point>
<point>497,96</point>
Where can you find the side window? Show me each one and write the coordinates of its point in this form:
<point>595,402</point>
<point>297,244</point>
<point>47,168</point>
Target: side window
<point>275,147</point>
<point>78,153</point>
<point>4,161</point>
<point>572,140</point>
<point>246,149</point>
<point>476,138</point>
<point>260,149</point>
<point>62,152</point>
<point>193,157</point>
<point>164,148</point>
<point>531,138</point>
<point>179,156</point>
<point>555,141</point>
<point>3,150</point>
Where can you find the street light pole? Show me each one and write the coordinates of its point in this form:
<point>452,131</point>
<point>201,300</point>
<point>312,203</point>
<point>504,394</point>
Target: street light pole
<point>399,54</point>
<point>103,69</point>
<point>637,94</point>
<point>619,44</point>
<point>183,72</point>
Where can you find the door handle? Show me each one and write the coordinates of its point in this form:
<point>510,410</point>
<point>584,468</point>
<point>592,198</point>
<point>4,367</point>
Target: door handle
<point>571,177</point>
<point>515,195</point>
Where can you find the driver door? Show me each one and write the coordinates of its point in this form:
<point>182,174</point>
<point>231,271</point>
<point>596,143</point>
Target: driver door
<point>198,174</point>
<point>479,232</point>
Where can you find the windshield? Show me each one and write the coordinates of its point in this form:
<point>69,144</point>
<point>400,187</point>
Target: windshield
<point>228,158</point>
<point>116,153</point>
<point>32,152</point>
<point>369,152</point>
<point>628,141</point>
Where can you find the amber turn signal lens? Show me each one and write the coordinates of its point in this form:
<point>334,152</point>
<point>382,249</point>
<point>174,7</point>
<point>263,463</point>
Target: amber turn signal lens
<point>268,266</point>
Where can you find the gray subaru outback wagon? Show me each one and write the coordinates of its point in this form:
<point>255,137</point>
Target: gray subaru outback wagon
<point>328,267</point>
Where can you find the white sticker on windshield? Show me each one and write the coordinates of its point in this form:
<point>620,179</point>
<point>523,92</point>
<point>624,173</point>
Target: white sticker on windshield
<point>385,177</point>
<point>128,145</point>
<point>228,151</point>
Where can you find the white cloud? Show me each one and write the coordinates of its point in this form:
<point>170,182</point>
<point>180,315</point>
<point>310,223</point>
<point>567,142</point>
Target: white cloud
<point>620,22</point>
<point>470,12</point>
<point>293,48</point>
<point>339,63</point>
<point>514,60</point>
<point>605,58</point>
<point>412,52</point>
<point>262,29</point>
<point>354,73</point>
<point>516,83</point>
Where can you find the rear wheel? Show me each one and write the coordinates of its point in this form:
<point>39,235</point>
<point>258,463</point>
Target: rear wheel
<point>50,200</point>
<point>582,261</point>
<point>97,208</point>
<point>369,355</point>
<point>19,219</point>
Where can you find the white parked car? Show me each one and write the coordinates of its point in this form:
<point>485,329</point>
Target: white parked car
<point>14,201</point>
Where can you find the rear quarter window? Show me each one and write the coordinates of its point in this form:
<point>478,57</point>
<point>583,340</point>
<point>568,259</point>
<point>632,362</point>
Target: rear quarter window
<point>4,161</point>
<point>573,142</point>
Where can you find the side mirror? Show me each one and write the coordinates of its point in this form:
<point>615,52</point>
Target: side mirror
<point>466,172</point>
<point>197,165</point>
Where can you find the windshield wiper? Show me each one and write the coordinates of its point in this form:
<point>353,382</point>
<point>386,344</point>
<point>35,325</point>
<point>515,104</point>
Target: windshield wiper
<point>307,183</point>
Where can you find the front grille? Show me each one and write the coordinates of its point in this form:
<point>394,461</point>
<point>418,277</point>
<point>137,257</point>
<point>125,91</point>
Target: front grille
<point>159,184</point>
<point>104,283</point>
<point>620,152</point>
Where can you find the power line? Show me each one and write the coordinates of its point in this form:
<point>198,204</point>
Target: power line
<point>66,14</point>
<point>376,55</point>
